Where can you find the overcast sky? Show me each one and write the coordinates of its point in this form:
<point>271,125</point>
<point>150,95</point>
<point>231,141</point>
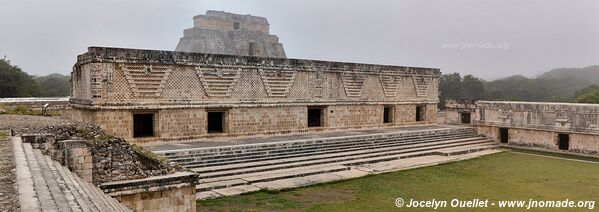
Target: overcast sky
<point>487,38</point>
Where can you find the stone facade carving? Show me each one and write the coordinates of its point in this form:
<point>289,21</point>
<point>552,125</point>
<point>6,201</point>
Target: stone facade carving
<point>277,82</point>
<point>421,85</point>
<point>390,84</point>
<point>147,81</point>
<point>353,83</point>
<point>254,95</point>
<point>218,82</point>
<point>220,32</point>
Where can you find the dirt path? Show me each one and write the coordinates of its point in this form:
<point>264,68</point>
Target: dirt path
<point>8,189</point>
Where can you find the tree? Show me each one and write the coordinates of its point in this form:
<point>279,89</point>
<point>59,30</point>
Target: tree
<point>54,85</point>
<point>588,95</point>
<point>472,88</point>
<point>449,88</point>
<point>452,86</point>
<point>16,83</point>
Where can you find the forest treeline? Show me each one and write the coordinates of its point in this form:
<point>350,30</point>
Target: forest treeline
<point>558,85</point>
<point>14,82</point>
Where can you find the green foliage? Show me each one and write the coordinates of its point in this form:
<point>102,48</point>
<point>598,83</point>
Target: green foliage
<point>4,135</point>
<point>563,85</point>
<point>588,95</point>
<point>555,85</point>
<point>53,85</point>
<point>14,82</point>
<point>19,110</point>
<point>453,86</point>
<point>148,154</point>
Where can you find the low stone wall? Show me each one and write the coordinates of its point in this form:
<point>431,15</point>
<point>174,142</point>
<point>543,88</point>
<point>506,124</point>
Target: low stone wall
<point>455,108</point>
<point>587,144</point>
<point>57,104</point>
<point>175,192</point>
<point>536,125</point>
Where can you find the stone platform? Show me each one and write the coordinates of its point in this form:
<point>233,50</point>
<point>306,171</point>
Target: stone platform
<point>249,140</point>
<point>239,165</point>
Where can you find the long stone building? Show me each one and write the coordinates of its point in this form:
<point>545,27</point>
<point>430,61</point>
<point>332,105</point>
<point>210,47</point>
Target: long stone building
<point>220,32</point>
<point>147,95</point>
<point>562,127</point>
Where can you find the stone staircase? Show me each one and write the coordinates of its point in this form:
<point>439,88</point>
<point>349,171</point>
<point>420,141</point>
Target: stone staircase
<point>46,185</point>
<point>241,167</point>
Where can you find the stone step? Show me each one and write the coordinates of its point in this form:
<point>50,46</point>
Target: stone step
<point>81,197</point>
<point>363,153</point>
<point>315,146</point>
<point>294,144</point>
<point>63,185</point>
<point>261,181</point>
<point>235,160</point>
<point>28,200</point>
<point>87,195</point>
<point>358,136</point>
<point>57,194</point>
<point>280,174</point>
<point>231,180</point>
<point>41,188</point>
<point>220,184</point>
<point>314,143</point>
<point>88,189</point>
<point>467,149</point>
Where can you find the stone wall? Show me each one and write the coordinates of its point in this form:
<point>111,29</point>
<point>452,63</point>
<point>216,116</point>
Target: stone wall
<point>257,95</point>
<point>56,104</point>
<point>173,192</point>
<point>177,200</point>
<point>538,125</point>
<point>455,108</point>
<point>266,119</point>
<point>77,156</point>
<point>184,124</point>
<point>562,117</point>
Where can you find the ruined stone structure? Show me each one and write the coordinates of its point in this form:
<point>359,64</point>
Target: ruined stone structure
<point>459,111</point>
<point>227,33</point>
<point>146,95</point>
<point>564,127</point>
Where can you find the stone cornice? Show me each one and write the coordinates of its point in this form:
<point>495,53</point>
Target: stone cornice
<point>141,56</point>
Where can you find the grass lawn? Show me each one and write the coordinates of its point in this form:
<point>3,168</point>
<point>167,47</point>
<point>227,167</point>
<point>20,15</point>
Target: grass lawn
<point>512,175</point>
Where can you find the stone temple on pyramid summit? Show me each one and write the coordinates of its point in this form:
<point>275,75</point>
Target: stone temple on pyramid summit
<point>233,34</point>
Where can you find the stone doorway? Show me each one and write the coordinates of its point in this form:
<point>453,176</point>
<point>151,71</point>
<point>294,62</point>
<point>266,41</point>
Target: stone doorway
<point>216,122</point>
<point>420,113</point>
<point>563,141</point>
<point>143,125</point>
<point>465,117</point>
<point>504,134</point>
<point>388,114</point>
<point>315,117</point>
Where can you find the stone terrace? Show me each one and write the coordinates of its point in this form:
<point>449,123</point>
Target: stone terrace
<point>238,165</point>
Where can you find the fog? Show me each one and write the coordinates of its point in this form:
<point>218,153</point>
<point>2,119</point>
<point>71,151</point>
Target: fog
<point>490,38</point>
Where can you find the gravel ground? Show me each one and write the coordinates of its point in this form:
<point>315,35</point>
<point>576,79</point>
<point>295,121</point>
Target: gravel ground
<point>62,128</point>
<point>8,189</point>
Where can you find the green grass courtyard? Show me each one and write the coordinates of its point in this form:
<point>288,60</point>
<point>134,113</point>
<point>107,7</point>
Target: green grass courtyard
<point>510,175</point>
